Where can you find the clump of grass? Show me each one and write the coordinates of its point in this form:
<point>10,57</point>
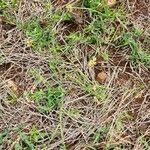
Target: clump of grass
<point>3,135</point>
<point>137,55</point>
<point>3,4</point>
<point>7,9</point>
<point>8,3</point>
<point>29,140</point>
<point>93,4</point>
<point>101,30</point>
<point>140,56</point>
<point>99,92</point>
<point>48,99</point>
<point>37,37</point>
<point>144,141</point>
<point>40,37</point>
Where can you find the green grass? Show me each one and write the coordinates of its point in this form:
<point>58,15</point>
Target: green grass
<point>38,37</point>
<point>2,4</point>
<point>99,31</point>
<point>30,140</point>
<point>137,54</point>
<point>47,99</point>
<point>26,139</point>
<point>144,141</point>
<point>106,29</point>
<point>3,136</point>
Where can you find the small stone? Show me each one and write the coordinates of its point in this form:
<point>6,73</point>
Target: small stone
<point>111,3</point>
<point>12,85</point>
<point>101,77</point>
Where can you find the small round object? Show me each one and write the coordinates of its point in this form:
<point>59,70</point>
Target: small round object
<point>101,76</point>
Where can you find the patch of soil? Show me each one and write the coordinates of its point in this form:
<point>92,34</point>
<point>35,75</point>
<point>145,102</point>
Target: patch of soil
<point>6,25</point>
<point>69,27</point>
<point>4,67</point>
<point>14,77</point>
<point>141,8</point>
<point>118,58</point>
<point>140,12</point>
<point>123,78</point>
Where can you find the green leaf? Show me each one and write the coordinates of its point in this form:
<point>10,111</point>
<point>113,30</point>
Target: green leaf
<point>3,135</point>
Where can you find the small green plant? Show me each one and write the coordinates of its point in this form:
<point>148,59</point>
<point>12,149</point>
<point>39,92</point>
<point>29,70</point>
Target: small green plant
<point>2,59</point>
<point>8,3</point>
<point>25,142</point>
<point>140,56</point>
<point>40,37</point>
<point>37,75</point>
<point>137,55</point>
<point>99,92</point>
<point>37,37</point>
<point>73,112</point>
<point>93,4</point>
<point>54,63</point>
<point>30,139</point>
<point>49,99</point>
<point>3,135</point>
<point>144,141</point>
<point>101,131</point>
<point>105,56</point>
<point>35,135</point>
<point>3,4</point>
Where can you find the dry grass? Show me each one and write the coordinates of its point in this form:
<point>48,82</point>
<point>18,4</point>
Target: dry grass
<point>86,114</point>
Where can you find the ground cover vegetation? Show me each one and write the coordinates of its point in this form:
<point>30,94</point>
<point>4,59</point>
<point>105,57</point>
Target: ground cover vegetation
<point>74,75</point>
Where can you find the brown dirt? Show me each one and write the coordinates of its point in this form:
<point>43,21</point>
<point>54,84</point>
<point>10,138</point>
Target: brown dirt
<point>141,8</point>
<point>140,12</point>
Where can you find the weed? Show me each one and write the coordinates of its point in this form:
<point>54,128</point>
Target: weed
<point>3,4</point>
<point>54,63</point>
<point>118,123</point>
<point>25,142</point>
<point>3,135</point>
<point>12,97</point>
<point>35,135</point>
<point>37,75</point>
<point>8,4</point>
<point>138,55</point>
<point>2,59</point>
<point>38,37</point>
<point>92,4</point>
<point>73,112</point>
<point>29,140</point>
<point>99,92</point>
<point>144,142</point>
<point>64,46</point>
<point>105,56</point>
<point>49,99</point>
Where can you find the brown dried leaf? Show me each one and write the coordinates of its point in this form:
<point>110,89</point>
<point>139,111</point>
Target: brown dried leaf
<point>11,84</point>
